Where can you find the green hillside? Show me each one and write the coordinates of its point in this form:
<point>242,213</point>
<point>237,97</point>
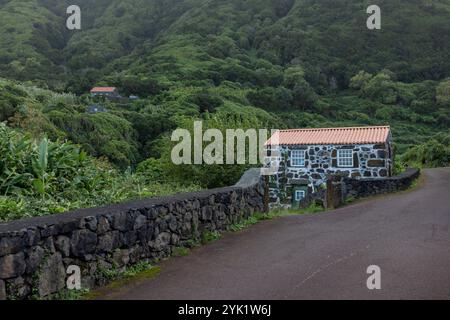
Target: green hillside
<point>294,59</point>
<point>328,38</point>
<point>230,63</point>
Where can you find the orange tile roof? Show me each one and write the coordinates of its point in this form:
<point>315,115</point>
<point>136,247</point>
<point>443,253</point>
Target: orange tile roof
<point>103,89</point>
<point>350,135</point>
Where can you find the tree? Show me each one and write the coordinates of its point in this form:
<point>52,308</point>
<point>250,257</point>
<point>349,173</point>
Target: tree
<point>381,88</point>
<point>443,92</point>
<point>206,101</point>
<point>360,80</point>
<point>271,98</point>
<point>293,76</point>
<point>304,96</point>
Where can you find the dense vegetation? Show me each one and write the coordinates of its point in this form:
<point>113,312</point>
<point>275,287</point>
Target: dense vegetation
<point>41,177</point>
<point>433,153</point>
<point>232,64</point>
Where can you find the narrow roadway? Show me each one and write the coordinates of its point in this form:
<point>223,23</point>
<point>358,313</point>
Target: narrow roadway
<point>323,255</point>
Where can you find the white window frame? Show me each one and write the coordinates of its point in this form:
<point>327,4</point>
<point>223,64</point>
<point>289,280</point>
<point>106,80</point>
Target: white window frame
<point>345,158</point>
<point>298,155</point>
<point>297,195</point>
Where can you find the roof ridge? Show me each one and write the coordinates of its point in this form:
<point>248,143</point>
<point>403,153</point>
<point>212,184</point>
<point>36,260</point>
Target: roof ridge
<point>336,135</point>
<point>335,128</point>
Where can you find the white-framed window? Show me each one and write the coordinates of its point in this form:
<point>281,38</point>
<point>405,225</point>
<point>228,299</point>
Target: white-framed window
<point>345,158</point>
<point>298,158</point>
<point>299,195</point>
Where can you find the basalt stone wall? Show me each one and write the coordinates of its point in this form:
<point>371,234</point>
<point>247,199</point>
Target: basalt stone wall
<point>367,187</point>
<point>35,253</point>
<point>318,198</point>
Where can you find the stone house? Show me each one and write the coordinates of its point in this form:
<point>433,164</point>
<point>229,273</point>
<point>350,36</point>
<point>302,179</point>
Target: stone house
<point>306,157</point>
<point>108,92</point>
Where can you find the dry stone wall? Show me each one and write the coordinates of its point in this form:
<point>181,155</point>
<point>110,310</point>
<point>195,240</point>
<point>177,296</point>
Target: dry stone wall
<point>340,189</point>
<point>359,188</point>
<point>35,253</point>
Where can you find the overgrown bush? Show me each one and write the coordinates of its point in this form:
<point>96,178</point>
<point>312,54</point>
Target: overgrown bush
<point>433,153</point>
<point>44,177</point>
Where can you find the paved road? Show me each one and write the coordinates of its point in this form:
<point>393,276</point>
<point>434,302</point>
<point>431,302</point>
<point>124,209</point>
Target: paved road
<point>323,256</point>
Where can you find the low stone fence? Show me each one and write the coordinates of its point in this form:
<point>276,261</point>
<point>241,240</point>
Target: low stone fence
<point>339,189</point>
<point>36,253</point>
<point>358,188</point>
<point>315,198</point>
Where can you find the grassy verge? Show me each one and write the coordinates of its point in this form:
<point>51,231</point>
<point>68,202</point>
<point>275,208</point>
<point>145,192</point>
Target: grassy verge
<point>66,294</point>
<point>257,217</point>
<point>116,278</point>
<point>419,182</point>
<point>130,276</point>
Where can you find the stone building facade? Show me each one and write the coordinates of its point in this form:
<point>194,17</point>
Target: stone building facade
<point>306,157</point>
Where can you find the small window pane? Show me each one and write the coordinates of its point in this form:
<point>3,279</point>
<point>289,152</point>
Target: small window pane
<point>298,158</point>
<point>345,158</point>
<point>299,195</point>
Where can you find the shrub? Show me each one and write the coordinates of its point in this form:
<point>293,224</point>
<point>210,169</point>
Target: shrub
<point>434,153</point>
<point>44,177</point>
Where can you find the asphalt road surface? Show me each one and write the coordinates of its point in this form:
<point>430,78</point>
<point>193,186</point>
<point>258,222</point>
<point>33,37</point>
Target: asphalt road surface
<point>323,255</point>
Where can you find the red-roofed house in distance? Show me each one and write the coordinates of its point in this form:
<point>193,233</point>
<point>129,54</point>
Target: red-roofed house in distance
<point>306,157</point>
<point>108,92</point>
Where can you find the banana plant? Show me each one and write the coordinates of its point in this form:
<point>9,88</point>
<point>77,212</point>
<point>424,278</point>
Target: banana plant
<point>40,165</point>
<point>14,150</point>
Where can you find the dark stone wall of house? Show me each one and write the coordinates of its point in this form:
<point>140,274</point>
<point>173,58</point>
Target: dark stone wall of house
<point>367,187</point>
<point>369,161</point>
<point>35,253</point>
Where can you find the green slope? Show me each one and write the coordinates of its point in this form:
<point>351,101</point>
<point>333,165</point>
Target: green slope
<point>268,63</point>
<point>328,38</point>
<point>230,63</point>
